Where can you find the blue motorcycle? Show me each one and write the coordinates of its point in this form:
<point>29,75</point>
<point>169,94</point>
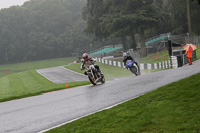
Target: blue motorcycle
<point>131,67</point>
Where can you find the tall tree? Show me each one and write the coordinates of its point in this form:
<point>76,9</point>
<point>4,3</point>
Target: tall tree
<point>129,18</point>
<point>179,21</point>
<point>92,14</point>
<point>188,17</point>
<point>42,29</point>
<point>197,0</point>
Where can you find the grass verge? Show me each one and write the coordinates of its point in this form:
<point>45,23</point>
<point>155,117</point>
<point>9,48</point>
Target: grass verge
<point>29,83</point>
<point>155,57</point>
<point>170,109</point>
<point>110,72</point>
<point>25,66</point>
<point>198,52</point>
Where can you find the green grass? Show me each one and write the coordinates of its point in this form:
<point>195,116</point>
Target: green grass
<point>22,81</point>
<point>110,72</point>
<point>174,108</point>
<point>155,57</point>
<point>20,67</point>
<point>29,83</point>
<point>198,52</point>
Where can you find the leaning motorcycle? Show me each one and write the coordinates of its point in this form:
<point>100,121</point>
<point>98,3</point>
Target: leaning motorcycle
<point>94,76</point>
<point>131,66</point>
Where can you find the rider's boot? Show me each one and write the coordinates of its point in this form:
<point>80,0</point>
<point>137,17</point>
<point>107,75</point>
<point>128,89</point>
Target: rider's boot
<point>102,76</point>
<point>100,72</point>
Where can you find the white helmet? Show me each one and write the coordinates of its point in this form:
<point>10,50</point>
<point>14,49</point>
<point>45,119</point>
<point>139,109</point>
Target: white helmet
<point>124,54</point>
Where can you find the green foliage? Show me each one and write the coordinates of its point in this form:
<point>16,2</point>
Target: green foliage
<point>195,10</point>
<point>176,17</point>
<point>41,30</point>
<point>197,0</point>
<point>92,13</point>
<point>116,19</point>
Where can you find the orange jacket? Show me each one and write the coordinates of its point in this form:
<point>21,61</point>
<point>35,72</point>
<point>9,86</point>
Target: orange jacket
<point>189,54</point>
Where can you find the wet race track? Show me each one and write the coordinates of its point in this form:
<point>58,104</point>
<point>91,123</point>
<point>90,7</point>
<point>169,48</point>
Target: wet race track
<point>61,75</point>
<point>45,111</point>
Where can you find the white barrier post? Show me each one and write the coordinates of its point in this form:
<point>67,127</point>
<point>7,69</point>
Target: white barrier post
<point>110,62</point>
<point>148,66</point>
<point>106,61</point>
<point>141,66</point>
<point>119,64</point>
<point>155,66</point>
<point>174,61</point>
<point>114,63</point>
<point>159,64</point>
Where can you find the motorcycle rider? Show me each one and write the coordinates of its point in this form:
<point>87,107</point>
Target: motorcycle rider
<point>126,56</point>
<point>89,61</point>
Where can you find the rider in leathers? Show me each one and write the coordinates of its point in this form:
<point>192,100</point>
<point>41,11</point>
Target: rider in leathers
<point>89,61</point>
<point>128,57</point>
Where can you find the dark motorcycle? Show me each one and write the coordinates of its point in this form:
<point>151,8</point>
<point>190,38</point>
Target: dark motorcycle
<point>94,76</point>
<point>130,65</point>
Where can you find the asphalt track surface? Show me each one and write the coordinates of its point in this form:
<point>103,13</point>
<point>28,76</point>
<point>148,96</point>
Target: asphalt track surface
<point>61,75</point>
<point>35,114</point>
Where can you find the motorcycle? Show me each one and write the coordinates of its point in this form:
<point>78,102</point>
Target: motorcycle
<point>94,76</point>
<point>131,66</point>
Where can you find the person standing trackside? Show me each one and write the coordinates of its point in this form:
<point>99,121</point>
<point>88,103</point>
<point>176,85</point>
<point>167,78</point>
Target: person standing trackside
<point>189,48</point>
<point>189,55</point>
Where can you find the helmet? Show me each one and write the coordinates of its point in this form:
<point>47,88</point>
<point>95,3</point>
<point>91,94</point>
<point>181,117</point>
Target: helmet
<point>127,53</point>
<point>124,54</point>
<point>85,56</point>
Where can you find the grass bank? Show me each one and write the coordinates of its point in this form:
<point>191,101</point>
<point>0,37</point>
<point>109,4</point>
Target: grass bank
<point>20,67</point>
<point>29,83</point>
<point>198,52</point>
<point>170,109</point>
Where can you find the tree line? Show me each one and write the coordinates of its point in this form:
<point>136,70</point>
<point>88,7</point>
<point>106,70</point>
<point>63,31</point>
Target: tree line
<point>139,19</point>
<point>42,29</point>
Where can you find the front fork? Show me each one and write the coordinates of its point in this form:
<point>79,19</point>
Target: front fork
<point>93,72</point>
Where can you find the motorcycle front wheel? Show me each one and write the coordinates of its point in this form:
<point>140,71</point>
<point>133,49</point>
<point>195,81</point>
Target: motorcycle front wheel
<point>134,70</point>
<point>92,80</point>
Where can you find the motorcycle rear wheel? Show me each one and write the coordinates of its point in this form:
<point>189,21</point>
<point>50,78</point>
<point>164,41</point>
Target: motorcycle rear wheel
<point>102,79</point>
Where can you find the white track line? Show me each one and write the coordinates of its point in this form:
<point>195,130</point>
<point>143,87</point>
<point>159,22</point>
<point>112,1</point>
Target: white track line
<point>72,71</point>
